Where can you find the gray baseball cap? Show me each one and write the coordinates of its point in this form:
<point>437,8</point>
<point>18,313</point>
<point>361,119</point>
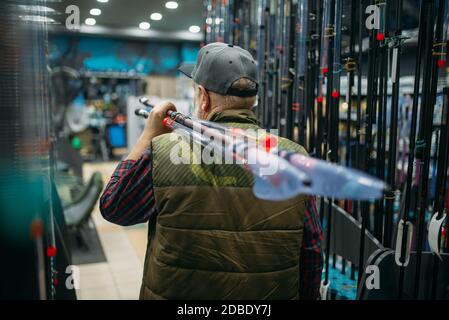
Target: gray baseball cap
<point>219,65</point>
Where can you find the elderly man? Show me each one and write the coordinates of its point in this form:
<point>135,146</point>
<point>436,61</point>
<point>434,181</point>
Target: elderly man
<point>209,236</point>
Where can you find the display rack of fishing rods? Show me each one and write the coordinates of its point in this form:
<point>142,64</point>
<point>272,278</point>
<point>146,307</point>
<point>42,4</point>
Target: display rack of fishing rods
<point>330,79</point>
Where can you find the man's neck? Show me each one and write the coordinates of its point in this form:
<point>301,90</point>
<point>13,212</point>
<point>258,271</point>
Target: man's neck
<point>218,109</point>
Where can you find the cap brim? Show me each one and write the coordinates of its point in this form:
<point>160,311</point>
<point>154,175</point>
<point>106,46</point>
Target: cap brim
<point>187,69</point>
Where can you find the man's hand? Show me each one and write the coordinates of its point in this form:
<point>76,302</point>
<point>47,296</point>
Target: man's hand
<point>153,127</point>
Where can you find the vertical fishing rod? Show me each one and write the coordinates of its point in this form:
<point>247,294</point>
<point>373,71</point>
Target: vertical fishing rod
<point>230,11</point>
<point>405,226</point>
<point>350,66</point>
<point>443,155</point>
<point>319,36</point>
<point>311,74</point>
<point>370,111</point>
<point>371,96</point>
<point>441,185</point>
<point>310,96</point>
<point>261,59</point>
<point>279,47</point>
<point>298,101</point>
<point>381,111</point>
<point>391,171</point>
<point>224,34</point>
<point>334,123</point>
<point>270,99</point>
<point>287,81</point>
<point>358,128</point>
<point>329,32</point>
<point>316,38</point>
<point>425,136</point>
<point>367,131</point>
<point>265,56</point>
<point>335,84</point>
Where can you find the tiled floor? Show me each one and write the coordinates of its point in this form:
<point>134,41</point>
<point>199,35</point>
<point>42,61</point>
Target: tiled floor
<point>124,247</point>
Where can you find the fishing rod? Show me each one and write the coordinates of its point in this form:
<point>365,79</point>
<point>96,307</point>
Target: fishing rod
<point>366,164</point>
<point>366,132</point>
<point>310,82</point>
<point>441,184</point>
<point>311,16</point>
<point>279,47</point>
<point>381,114</point>
<point>334,98</point>
<point>326,34</point>
<point>333,153</point>
<point>329,32</point>
<point>286,74</point>
<point>358,123</point>
<point>393,136</point>
<point>269,99</point>
<point>318,102</point>
<point>426,127</point>
<point>299,85</point>
<point>405,227</point>
<point>350,66</point>
<point>371,98</point>
<point>261,59</point>
<point>297,174</point>
<point>273,68</point>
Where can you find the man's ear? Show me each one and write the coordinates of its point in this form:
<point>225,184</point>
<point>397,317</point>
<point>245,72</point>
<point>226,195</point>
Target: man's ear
<point>205,99</point>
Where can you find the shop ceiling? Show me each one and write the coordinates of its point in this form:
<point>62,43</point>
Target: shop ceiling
<point>122,18</point>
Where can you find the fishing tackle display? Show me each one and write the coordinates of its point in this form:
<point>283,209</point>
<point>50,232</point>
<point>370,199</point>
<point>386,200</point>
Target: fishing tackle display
<point>332,78</point>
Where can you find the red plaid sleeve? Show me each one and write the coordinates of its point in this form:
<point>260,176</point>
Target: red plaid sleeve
<point>128,198</point>
<point>311,261</point>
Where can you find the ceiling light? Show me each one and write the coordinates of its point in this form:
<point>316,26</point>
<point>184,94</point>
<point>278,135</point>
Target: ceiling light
<point>144,25</point>
<point>90,21</point>
<point>156,16</point>
<point>95,12</point>
<point>35,18</point>
<point>194,29</point>
<point>209,20</point>
<point>217,20</point>
<point>103,1</point>
<point>36,8</point>
<point>171,4</point>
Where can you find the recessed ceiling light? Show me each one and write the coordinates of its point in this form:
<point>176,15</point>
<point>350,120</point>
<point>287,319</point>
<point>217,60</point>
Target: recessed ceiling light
<point>90,21</point>
<point>103,1</point>
<point>95,12</point>
<point>209,20</point>
<point>36,8</point>
<point>194,29</point>
<point>37,18</point>
<point>156,16</point>
<point>171,4</point>
<point>144,25</point>
<point>217,20</point>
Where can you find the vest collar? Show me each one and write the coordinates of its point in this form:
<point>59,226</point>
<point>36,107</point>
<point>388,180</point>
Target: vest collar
<point>234,115</point>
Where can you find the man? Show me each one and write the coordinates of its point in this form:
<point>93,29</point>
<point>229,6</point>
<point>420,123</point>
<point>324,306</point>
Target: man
<point>209,237</point>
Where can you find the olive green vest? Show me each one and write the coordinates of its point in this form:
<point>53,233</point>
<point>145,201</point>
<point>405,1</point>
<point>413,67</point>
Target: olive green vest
<point>212,238</point>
